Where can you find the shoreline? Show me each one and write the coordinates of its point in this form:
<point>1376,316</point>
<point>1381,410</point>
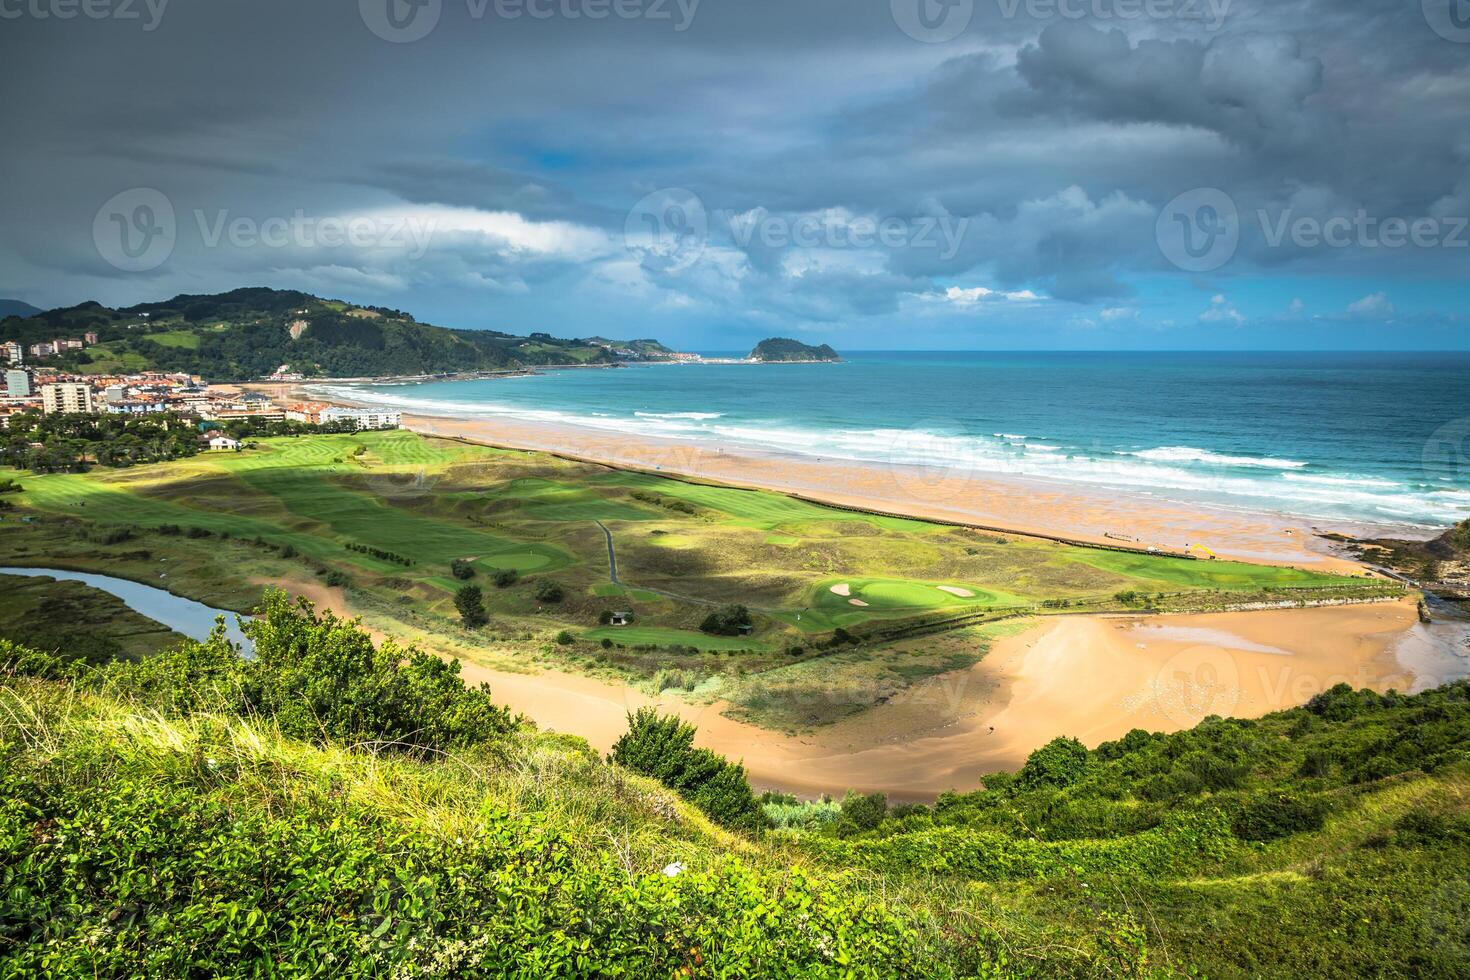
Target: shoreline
<point>1002,504</point>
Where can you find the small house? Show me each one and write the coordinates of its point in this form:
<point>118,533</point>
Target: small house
<point>218,441</point>
<point>621,618</point>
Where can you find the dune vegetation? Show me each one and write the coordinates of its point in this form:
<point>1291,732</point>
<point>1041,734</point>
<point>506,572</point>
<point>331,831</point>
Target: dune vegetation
<point>335,807</point>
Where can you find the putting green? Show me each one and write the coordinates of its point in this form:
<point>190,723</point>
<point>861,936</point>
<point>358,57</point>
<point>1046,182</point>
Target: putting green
<point>890,595</point>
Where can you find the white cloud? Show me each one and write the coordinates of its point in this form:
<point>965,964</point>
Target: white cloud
<point>966,298</point>
<point>1221,310</point>
<point>1372,305</point>
<point>1115,313</point>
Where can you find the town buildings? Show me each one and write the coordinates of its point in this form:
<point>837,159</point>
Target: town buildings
<point>66,397</point>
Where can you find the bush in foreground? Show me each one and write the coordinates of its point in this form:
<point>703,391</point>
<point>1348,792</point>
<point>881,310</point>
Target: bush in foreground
<point>663,747</point>
<point>135,847</point>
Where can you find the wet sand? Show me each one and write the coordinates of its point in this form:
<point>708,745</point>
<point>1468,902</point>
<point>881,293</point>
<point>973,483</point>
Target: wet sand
<point>1091,677</point>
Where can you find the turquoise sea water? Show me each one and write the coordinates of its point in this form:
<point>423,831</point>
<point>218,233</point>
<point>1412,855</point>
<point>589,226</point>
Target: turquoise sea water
<point>1364,437</point>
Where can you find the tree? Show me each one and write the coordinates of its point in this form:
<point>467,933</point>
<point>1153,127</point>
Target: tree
<point>727,621</point>
<point>663,748</point>
<point>470,602</point>
<point>461,569</point>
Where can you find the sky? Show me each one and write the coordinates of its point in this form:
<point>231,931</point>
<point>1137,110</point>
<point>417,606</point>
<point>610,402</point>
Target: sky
<point>874,174</point>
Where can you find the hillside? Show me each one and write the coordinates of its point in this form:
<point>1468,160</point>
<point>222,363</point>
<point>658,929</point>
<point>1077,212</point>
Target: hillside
<point>784,349</point>
<point>335,808</point>
<point>15,307</point>
<point>645,348</point>
<point>250,333</point>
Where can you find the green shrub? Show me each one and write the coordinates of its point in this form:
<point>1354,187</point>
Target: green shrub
<point>1280,815</point>
<point>504,578</point>
<point>731,620</point>
<point>565,638</point>
<point>1059,763</point>
<point>461,569</point>
<point>549,591</point>
<point>663,748</point>
<point>864,812</point>
<point>336,579</point>
<point>321,678</point>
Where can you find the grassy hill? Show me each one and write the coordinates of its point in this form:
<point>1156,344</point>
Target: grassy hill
<point>249,333</point>
<point>336,809</point>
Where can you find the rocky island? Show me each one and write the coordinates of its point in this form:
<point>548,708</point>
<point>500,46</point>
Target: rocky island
<point>774,350</point>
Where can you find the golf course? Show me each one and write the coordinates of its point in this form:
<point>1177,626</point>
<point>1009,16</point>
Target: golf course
<point>391,524</point>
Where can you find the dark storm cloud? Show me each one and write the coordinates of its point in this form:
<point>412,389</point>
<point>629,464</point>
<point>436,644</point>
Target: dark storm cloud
<point>1052,139</point>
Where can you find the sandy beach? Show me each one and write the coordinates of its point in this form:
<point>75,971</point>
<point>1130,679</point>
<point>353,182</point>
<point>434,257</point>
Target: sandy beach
<point>1091,677</point>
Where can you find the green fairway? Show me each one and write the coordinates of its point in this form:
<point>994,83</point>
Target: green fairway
<point>760,509</point>
<point>553,500</point>
<point>363,518</point>
<point>660,637</point>
<point>1182,573</point>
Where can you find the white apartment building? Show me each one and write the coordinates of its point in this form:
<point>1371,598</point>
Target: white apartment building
<point>365,418</point>
<point>66,397</point>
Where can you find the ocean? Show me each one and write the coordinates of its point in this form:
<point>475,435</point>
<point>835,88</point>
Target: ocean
<point>1364,437</point>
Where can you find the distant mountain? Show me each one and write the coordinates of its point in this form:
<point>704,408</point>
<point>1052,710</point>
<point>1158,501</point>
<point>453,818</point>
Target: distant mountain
<point>779,349</point>
<point>15,307</point>
<point>250,333</point>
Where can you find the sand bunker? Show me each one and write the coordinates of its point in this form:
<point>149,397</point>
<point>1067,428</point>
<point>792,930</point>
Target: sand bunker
<point>856,602</point>
<point>956,590</point>
<point>843,590</point>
